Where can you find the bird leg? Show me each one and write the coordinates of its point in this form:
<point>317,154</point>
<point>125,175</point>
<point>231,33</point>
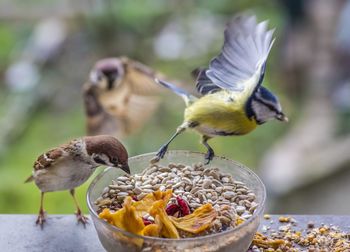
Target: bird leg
<point>41,216</point>
<point>80,217</point>
<point>164,148</point>
<point>210,153</point>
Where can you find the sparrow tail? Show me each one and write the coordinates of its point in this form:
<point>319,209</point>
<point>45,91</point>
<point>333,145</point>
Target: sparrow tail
<point>29,179</point>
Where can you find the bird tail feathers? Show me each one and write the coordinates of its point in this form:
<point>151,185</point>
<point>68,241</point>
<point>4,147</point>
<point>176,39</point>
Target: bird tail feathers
<point>188,98</point>
<point>29,179</point>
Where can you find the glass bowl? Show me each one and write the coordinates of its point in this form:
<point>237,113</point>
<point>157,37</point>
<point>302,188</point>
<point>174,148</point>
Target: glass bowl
<point>233,240</point>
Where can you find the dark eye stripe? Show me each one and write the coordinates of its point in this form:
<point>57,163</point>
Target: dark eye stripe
<point>267,104</point>
<point>99,160</point>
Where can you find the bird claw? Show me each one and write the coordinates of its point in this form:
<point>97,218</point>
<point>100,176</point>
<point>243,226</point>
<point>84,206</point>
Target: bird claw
<point>41,219</point>
<point>82,219</point>
<point>209,156</point>
<point>162,152</point>
<point>159,155</point>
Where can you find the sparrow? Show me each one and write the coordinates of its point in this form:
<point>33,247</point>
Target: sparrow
<point>233,100</point>
<point>70,165</point>
<point>119,96</point>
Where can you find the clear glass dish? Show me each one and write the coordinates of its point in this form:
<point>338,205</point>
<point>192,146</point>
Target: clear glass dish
<point>234,240</point>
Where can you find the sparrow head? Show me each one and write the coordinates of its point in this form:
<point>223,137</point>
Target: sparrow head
<point>107,73</point>
<point>107,150</point>
<point>265,106</point>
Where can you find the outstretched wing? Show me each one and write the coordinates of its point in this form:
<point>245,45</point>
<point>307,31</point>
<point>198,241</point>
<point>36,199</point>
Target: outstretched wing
<point>241,63</point>
<point>140,78</point>
<point>204,85</point>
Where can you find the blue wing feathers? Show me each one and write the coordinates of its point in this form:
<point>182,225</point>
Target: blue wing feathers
<point>204,85</point>
<point>188,98</point>
<point>244,53</point>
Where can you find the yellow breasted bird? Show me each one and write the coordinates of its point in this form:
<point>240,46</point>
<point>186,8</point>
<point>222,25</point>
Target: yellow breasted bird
<point>234,102</point>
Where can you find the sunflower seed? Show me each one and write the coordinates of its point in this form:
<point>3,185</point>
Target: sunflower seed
<point>146,186</point>
<point>137,190</point>
<point>156,187</point>
<point>164,169</point>
<point>240,209</point>
<point>225,179</point>
<point>122,178</point>
<point>197,184</point>
<point>123,194</point>
<point>206,183</point>
<point>228,194</point>
<point>105,190</point>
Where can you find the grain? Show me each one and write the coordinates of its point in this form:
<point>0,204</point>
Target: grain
<point>196,184</point>
<point>289,238</point>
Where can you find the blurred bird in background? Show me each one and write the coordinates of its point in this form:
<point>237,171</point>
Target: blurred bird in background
<point>119,96</point>
<point>70,165</point>
<point>234,102</point>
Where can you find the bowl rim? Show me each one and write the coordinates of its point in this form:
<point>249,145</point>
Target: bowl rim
<point>256,214</point>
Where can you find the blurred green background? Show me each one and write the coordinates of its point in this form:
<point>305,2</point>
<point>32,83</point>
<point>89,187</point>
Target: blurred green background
<point>42,107</point>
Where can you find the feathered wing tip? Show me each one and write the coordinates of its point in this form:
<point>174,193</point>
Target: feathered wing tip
<point>245,50</point>
<point>140,78</point>
<point>139,110</point>
<point>195,72</point>
<point>29,179</point>
<point>204,85</point>
<point>188,98</point>
<point>256,35</point>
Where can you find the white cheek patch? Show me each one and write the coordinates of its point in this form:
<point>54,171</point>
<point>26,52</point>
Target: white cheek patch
<point>263,113</point>
<point>102,157</point>
<point>105,158</point>
<point>93,77</point>
<point>109,163</point>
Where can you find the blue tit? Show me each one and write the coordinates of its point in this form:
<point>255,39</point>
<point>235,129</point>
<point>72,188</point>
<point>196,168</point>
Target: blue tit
<point>233,100</point>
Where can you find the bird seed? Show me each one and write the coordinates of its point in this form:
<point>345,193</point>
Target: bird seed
<point>195,184</point>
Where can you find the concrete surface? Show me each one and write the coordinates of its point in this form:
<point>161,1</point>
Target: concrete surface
<point>62,233</point>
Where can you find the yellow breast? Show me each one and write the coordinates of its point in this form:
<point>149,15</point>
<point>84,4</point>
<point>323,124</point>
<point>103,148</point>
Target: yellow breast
<point>221,113</point>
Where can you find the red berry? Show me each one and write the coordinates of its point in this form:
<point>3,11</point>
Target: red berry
<point>147,222</point>
<point>184,208</point>
<point>172,209</point>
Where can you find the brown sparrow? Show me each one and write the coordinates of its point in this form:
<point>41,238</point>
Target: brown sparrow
<point>70,165</point>
<point>119,96</point>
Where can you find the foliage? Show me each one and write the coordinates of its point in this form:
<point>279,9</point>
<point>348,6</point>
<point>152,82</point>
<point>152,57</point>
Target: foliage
<point>133,25</point>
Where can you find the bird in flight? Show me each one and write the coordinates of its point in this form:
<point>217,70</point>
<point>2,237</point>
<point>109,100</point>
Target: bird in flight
<point>119,96</point>
<point>233,100</point>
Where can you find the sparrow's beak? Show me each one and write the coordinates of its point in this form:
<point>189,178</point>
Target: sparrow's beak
<point>124,167</point>
<point>282,117</point>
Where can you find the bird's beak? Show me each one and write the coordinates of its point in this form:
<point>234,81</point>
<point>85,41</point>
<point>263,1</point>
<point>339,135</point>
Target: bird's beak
<point>124,167</point>
<point>282,117</point>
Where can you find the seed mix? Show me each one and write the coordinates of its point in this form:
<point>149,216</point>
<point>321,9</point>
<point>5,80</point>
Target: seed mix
<point>196,184</point>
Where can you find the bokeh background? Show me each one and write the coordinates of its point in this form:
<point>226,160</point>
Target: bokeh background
<point>48,47</point>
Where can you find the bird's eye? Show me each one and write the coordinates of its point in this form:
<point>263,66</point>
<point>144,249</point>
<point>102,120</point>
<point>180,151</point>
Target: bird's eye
<point>114,160</point>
